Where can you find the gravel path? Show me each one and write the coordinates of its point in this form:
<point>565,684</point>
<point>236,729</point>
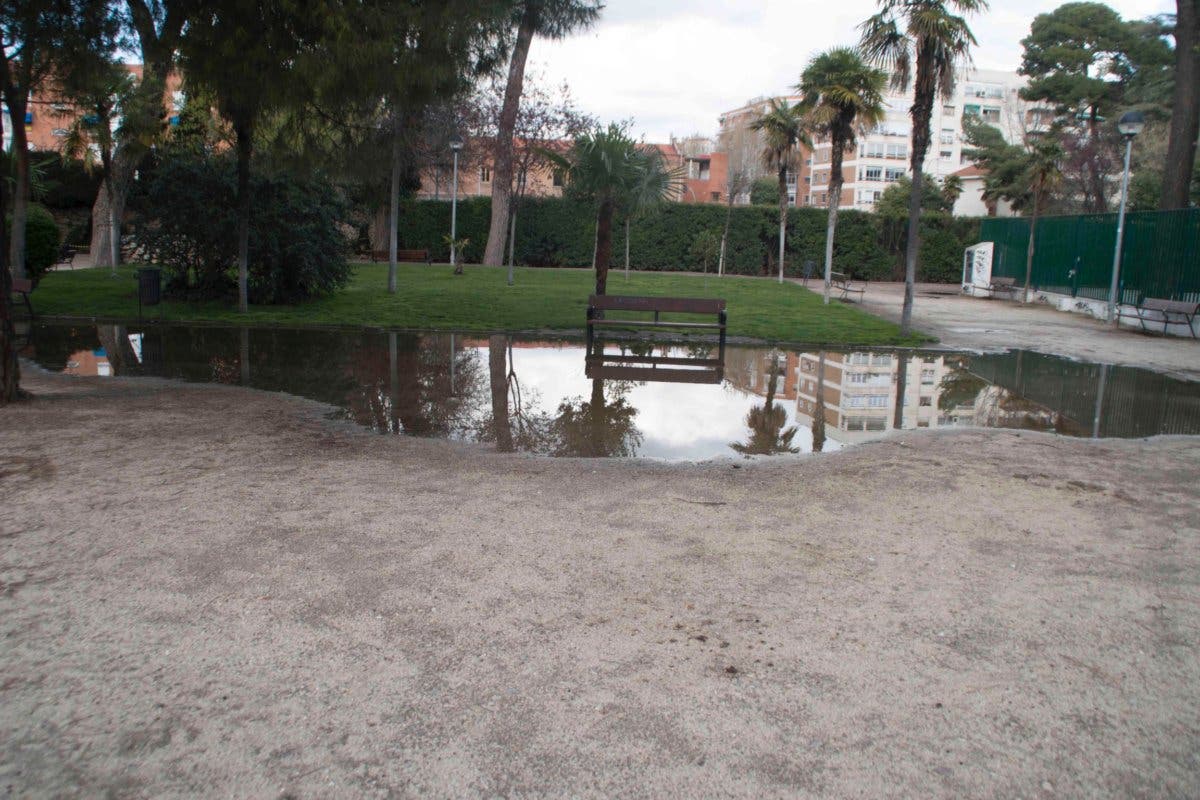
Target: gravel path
<point>214,591</point>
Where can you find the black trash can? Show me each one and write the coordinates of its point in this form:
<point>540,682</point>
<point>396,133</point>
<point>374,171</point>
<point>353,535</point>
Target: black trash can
<point>149,286</point>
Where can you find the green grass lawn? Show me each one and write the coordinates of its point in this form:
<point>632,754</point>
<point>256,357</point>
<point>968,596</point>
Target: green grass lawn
<point>430,297</point>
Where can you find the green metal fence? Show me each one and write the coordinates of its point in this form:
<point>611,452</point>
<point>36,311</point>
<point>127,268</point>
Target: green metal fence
<point>1160,258</point>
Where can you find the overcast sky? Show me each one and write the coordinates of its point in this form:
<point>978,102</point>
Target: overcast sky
<point>674,65</point>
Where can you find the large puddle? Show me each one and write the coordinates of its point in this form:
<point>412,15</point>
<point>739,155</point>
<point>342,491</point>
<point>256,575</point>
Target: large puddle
<point>637,399</point>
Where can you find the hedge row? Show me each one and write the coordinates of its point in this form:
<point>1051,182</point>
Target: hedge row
<point>557,232</point>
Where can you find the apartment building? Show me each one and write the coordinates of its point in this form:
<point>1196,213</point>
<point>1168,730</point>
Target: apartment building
<point>882,155</point>
<point>48,118</point>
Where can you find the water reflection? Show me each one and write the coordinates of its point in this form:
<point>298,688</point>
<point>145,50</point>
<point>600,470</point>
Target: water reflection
<point>636,399</point>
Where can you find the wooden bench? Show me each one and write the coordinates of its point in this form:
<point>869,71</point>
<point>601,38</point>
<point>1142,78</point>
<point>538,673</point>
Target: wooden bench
<point>407,256</point>
<point>843,283</point>
<point>1006,285</point>
<point>600,303</point>
<point>23,287</point>
<point>1168,311</point>
<point>66,256</point>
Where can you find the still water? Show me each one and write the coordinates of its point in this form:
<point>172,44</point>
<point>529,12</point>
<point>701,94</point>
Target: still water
<point>636,399</point>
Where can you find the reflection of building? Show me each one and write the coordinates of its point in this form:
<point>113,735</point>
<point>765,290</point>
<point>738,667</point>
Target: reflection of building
<point>750,370</point>
<point>860,393</point>
<point>88,362</point>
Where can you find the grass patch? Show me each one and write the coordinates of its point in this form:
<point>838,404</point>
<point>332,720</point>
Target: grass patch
<point>431,297</point>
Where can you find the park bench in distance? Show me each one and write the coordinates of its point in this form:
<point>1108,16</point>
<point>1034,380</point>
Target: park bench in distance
<point>600,303</point>
<point>1006,285</point>
<point>1167,311</point>
<point>407,256</point>
<point>23,286</point>
<point>843,283</point>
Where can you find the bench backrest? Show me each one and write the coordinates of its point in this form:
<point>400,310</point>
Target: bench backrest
<point>22,285</point>
<point>1174,306</point>
<point>678,305</point>
<point>838,276</point>
<point>1004,281</point>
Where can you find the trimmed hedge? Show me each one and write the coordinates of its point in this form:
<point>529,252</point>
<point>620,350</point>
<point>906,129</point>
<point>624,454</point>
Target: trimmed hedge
<point>560,232</point>
<point>41,242</point>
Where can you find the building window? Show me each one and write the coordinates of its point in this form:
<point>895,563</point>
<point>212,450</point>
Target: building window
<point>899,151</point>
<point>558,178</point>
<point>946,154</point>
<point>893,174</point>
<point>926,402</point>
<point>716,197</point>
<point>872,174</point>
<point>821,177</point>
<point>947,136</point>
<point>791,178</point>
<point>970,109</point>
<point>928,374</point>
<point>948,111</point>
<point>873,150</point>
<point>485,174</point>
<point>991,114</point>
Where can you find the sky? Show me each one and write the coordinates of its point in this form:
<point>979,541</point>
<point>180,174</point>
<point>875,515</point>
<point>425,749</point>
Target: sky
<point>672,66</point>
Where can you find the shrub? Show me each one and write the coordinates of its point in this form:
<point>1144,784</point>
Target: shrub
<point>186,222</point>
<point>41,242</point>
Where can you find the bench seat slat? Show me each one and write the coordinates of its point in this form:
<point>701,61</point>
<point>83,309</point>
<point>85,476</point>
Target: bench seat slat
<point>647,323</point>
<point>672,305</point>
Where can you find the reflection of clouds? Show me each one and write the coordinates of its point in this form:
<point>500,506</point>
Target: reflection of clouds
<point>677,420</point>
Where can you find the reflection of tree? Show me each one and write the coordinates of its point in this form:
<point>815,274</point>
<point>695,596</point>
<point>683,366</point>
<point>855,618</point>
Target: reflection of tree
<point>767,434</point>
<point>818,420</point>
<point>960,387</point>
<point>601,427</point>
<point>498,379</point>
<point>901,380</point>
<point>115,341</point>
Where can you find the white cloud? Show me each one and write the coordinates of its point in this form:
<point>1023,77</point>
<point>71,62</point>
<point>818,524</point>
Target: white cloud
<point>674,66</point>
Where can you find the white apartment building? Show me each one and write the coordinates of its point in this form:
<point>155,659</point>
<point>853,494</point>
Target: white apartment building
<point>882,155</point>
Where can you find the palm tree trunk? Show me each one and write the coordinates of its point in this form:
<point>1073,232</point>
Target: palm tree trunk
<point>782,216</point>
<point>1185,116</point>
<point>725,233</point>
<point>818,427</point>
<point>835,201</point>
<point>502,168</point>
<point>626,247</point>
<point>243,133</point>
<point>394,203</point>
<point>603,244</point>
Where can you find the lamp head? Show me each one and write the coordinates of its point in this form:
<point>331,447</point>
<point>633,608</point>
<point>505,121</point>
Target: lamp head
<point>1131,123</point>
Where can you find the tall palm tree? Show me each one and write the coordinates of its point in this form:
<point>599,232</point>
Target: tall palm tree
<point>782,129</point>
<point>601,166</point>
<point>653,182</point>
<point>952,189</point>
<point>920,42</point>
<point>841,95</point>
<point>550,19</point>
<point>1042,174</point>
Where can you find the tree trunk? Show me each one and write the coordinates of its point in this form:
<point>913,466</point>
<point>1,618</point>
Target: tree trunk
<point>603,244</point>
<point>10,368</point>
<point>377,229</point>
<point>782,217</point>
<point>512,241</point>
<point>502,166</point>
<point>109,210</point>
<point>901,381</point>
<point>394,203</point>
<point>835,201</point>
<point>818,427</point>
<point>925,88</point>
<point>627,247</point>
<point>243,211</point>
<point>498,375</point>
<point>20,194</point>
<point>1037,207</point>
<point>1185,115</point>
<point>725,234</point>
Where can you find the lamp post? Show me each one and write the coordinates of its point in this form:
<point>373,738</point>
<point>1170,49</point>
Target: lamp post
<point>1130,125</point>
<point>456,144</point>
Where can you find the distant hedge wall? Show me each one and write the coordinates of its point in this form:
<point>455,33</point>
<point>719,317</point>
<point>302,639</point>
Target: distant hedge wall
<point>557,232</point>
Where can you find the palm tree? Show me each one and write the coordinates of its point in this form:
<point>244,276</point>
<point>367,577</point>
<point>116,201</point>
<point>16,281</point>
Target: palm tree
<point>782,128</point>
<point>550,19</point>
<point>921,42</point>
<point>603,164</point>
<point>952,189</point>
<point>1042,174</point>
<point>653,182</point>
<point>841,95</point>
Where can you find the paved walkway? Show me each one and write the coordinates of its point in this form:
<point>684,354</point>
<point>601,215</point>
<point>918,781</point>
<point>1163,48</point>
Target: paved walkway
<point>962,322</point>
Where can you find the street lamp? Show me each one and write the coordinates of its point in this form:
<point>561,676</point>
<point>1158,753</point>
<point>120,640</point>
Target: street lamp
<point>1130,125</point>
<point>456,144</point>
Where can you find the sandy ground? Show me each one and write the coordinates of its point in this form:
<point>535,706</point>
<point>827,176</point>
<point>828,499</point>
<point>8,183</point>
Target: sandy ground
<point>208,590</point>
<point>961,322</point>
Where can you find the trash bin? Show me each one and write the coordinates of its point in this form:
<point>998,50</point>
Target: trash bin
<point>149,286</point>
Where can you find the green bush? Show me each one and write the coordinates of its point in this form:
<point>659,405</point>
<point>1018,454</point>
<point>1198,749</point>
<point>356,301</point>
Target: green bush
<point>41,242</point>
<point>186,222</point>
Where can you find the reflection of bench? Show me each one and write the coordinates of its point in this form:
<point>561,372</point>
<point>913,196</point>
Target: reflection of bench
<point>1165,311</point>
<point>1006,285</point>
<point>843,283</point>
<point>409,256</point>
<point>23,286</point>
<point>599,303</point>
